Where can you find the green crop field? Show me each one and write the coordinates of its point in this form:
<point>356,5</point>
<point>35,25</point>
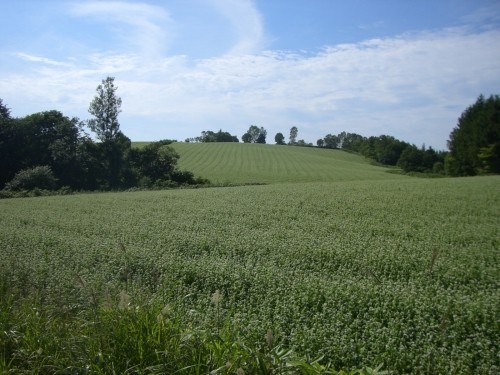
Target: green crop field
<point>346,267</point>
<point>250,163</point>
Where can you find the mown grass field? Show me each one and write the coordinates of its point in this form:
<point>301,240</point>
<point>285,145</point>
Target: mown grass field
<point>250,163</point>
<point>389,270</point>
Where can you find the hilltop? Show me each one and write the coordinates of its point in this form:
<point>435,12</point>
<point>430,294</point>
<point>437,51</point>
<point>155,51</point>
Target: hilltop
<point>259,163</point>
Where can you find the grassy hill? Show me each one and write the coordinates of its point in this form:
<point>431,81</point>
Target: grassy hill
<point>250,163</point>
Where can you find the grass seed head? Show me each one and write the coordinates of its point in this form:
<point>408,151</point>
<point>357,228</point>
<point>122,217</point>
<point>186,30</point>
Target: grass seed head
<point>124,301</point>
<point>269,338</point>
<point>216,297</point>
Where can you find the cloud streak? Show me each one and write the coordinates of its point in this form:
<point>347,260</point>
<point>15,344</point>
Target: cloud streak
<point>144,26</point>
<point>246,23</point>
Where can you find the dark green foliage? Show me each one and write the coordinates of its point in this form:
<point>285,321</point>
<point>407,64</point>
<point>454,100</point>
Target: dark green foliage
<point>345,141</point>
<point>262,136</point>
<point>208,136</point>
<point>350,141</point>
<point>246,138</point>
<point>413,159</point>
<point>330,141</point>
<point>388,150</point>
<point>44,138</point>
<point>303,143</point>
<point>383,149</point>
<point>255,135</point>
<point>220,136</point>
<point>4,111</point>
<point>293,135</point>
<point>40,177</point>
<point>254,131</point>
<point>115,162</point>
<point>475,142</point>
<point>279,138</point>
<point>156,161</point>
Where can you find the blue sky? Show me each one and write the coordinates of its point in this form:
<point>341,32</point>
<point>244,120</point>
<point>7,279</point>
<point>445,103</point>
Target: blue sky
<point>404,68</point>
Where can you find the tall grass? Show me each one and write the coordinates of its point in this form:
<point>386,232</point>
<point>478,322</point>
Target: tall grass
<point>98,336</point>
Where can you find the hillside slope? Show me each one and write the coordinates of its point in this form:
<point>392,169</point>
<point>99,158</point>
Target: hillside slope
<point>257,163</point>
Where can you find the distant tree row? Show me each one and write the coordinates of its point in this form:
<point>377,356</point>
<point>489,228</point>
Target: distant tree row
<point>49,150</point>
<point>210,136</point>
<point>280,139</point>
<point>255,135</point>
<point>474,145</point>
<point>388,150</point>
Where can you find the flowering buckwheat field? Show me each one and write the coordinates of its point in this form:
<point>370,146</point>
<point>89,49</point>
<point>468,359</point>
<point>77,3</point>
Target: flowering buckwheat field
<point>284,278</point>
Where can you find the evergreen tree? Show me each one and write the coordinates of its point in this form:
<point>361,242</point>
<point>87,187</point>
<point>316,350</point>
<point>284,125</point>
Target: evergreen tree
<point>4,111</point>
<point>475,142</point>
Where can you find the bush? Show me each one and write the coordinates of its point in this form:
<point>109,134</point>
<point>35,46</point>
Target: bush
<point>40,177</point>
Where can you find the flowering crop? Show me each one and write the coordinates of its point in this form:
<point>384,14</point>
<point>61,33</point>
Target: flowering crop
<point>399,272</point>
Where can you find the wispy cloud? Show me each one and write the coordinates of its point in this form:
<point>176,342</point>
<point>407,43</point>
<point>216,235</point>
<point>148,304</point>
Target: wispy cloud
<point>485,17</point>
<point>246,23</point>
<point>40,59</point>
<point>146,26</point>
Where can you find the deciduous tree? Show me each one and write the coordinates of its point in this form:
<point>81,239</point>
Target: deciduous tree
<point>105,108</point>
<point>293,135</point>
<point>262,136</point>
<point>255,135</point>
<point>279,139</point>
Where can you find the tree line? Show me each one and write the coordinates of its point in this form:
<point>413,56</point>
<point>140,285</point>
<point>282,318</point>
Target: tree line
<point>48,150</point>
<point>387,150</point>
<point>474,144</point>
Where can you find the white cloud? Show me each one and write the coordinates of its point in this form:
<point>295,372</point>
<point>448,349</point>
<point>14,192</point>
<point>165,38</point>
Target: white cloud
<point>148,28</point>
<point>44,60</point>
<point>246,23</point>
<point>413,86</point>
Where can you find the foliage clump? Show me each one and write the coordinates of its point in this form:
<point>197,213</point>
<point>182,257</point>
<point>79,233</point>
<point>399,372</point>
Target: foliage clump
<point>40,177</point>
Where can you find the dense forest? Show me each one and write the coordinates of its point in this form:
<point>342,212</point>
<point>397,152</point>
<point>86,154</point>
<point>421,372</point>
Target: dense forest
<point>48,150</point>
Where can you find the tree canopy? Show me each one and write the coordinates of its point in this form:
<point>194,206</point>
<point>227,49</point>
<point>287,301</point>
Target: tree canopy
<point>293,135</point>
<point>475,142</point>
<point>279,138</point>
<point>211,136</point>
<point>105,108</point>
<point>255,135</point>
<point>4,111</point>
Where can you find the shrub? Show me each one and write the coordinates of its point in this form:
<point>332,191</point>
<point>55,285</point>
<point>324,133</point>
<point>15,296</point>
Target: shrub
<point>40,177</point>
